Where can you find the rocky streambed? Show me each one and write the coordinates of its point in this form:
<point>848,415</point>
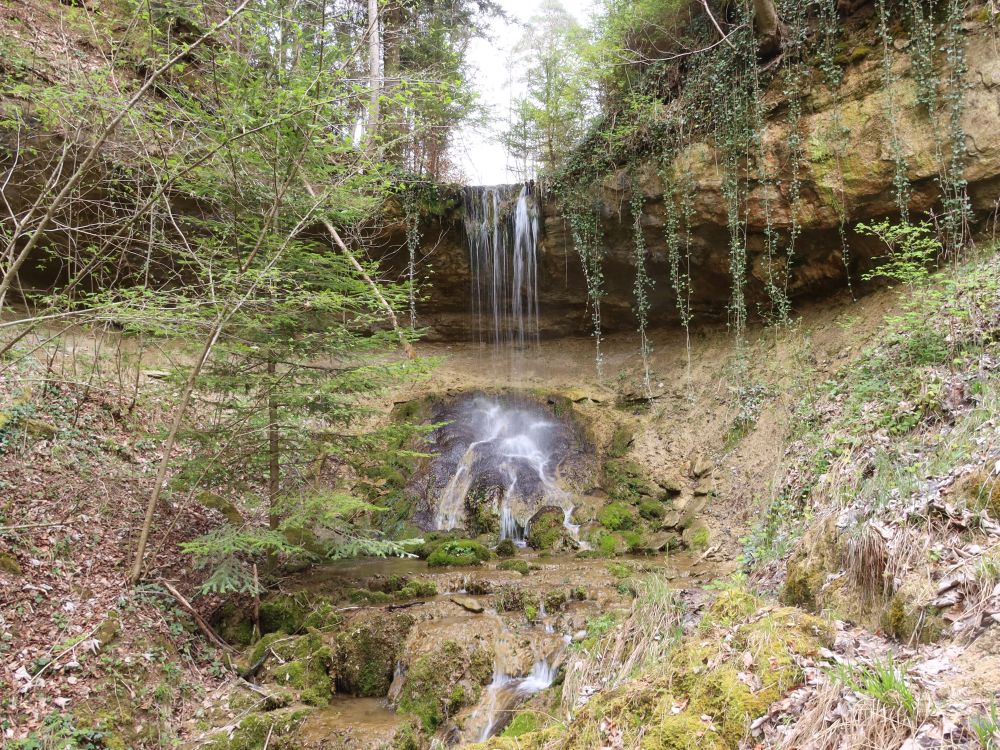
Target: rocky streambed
<point>390,653</point>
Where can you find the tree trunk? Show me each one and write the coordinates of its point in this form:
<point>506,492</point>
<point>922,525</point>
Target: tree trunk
<point>767,23</point>
<point>274,455</point>
<point>374,67</point>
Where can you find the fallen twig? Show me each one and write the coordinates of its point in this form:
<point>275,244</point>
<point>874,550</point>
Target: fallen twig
<point>203,626</point>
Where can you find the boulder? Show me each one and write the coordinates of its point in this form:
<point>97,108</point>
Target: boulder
<point>468,604</point>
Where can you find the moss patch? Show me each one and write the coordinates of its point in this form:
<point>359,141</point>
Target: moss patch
<point>9,564</point>
<point>442,682</point>
<point>302,665</point>
<point>917,624</point>
<point>521,724</point>
<point>367,651</point>
<point>617,517</point>
<point>458,552</point>
<point>521,566</point>
<point>276,729</point>
<point>625,481</point>
<point>546,529</point>
<point>506,548</point>
<point>621,441</point>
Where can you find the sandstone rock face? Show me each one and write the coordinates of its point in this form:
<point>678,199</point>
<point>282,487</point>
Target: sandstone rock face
<point>846,177</point>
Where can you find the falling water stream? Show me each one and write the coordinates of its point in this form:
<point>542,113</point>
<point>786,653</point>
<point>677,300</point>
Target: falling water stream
<point>502,228</point>
<point>514,448</point>
<point>505,693</point>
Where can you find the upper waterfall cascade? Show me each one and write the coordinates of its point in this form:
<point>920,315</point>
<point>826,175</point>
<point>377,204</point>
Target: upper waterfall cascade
<point>502,228</point>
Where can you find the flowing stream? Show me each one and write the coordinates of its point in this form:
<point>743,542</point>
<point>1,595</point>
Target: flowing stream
<point>506,693</point>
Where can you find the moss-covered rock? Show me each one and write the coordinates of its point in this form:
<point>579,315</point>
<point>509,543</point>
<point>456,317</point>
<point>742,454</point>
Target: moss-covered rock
<point>9,564</point>
<point>545,530</point>
<point>521,566</point>
<point>982,490</point>
<point>442,682</point>
<point>225,507</point>
<point>604,543</point>
<point>303,665</point>
<point>617,516</point>
<point>234,624</point>
<point>697,535</point>
<point>367,651</point>
<point>652,510</point>
<point>627,482</point>
<point>274,729</point>
<point>506,548</point>
<point>555,601</point>
<point>731,606</point>
<point>458,552</point>
<point>283,613</point>
<point>817,555</point>
<point>911,624</point>
<point>621,441</point>
<point>522,723</point>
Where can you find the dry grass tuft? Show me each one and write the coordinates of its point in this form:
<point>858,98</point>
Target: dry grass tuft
<point>832,722</point>
<point>867,561</point>
<point>647,634</point>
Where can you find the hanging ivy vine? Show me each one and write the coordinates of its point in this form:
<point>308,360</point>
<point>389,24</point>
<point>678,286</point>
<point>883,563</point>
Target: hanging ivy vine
<point>721,99</point>
<point>796,76</point>
<point>833,77</point>
<point>900,180</point>
<point>954,187</point>
<point>584,223</point>
<point>643,284</point>
<point>678,207</point>
<point>411,209</point>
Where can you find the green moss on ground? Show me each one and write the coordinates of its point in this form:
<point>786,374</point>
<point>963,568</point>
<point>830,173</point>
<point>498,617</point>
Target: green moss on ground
<point>458,552</point>
<point>617,516</point>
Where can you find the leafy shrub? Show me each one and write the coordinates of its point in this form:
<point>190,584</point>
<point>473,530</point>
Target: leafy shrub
<point>506,548</point>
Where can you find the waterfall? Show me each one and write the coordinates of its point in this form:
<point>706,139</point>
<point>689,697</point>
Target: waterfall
<point>512,452</point>
<point>505,693</point>
<point>502,228</point>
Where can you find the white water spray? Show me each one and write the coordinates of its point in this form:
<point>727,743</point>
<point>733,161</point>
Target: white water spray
<point>514,447</point>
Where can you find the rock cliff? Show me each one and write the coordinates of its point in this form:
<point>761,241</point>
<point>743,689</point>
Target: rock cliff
<point>846,176</point>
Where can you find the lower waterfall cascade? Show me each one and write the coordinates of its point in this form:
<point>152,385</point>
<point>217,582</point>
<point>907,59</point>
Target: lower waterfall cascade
<point>506,451</point>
